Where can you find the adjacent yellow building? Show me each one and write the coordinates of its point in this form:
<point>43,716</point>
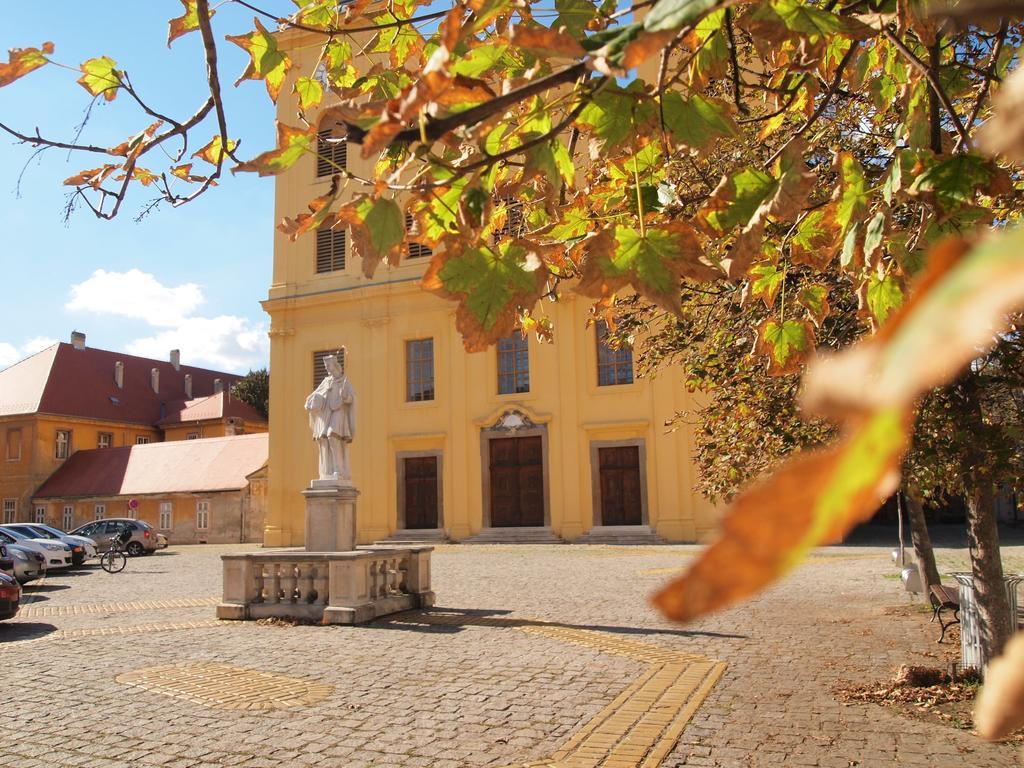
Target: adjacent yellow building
<point>523,442</point>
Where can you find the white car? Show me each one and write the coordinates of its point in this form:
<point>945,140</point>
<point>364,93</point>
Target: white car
<point>82,547</point>
<point>57,553</point>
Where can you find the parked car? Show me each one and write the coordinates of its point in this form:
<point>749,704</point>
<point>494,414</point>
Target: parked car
<point>143,540</point>
<point>77,543</point>
<point>161,541</point>
<point>27,565</point>
<point>57,554</point>
<point>6,564</point>
<point>10,596</point>
<point>82,547</point>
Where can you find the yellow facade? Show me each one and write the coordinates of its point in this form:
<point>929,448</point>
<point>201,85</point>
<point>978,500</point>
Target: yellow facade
<point>24,470</point>
<point>374,318</point>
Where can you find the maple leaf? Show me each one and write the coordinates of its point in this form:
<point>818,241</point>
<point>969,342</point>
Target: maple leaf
<point>378,230</point>
<point>814,298</point>
<point>187,22</point>
<point>400,42</point>
<point>132,147</point>
<point>549,42</point>
<point>672,14</point>
<point>653,262</point>
<point>884,296</point>
<point>100,77</point>
<point>91,178</point>
<point>21,61</point>
<point>184,172</point>
<point>814,499</point>
<point>765,281</point>
<point>696,121</point>
<point>785,344</point>
<point>615,115</point>
<point>292,144</point>
<point>310,92</point>
<point>817,238</point>
<point>267,62</point>
<point>320,213</point>
<point>491,283</point>
<point>214,151</point>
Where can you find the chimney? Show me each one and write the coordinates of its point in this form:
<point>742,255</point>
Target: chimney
<point>218,386</point>
<point>154,379</point>
<point>119,374</point>
<point>176,359</point>
<point>78,340</point>
<point>188,386</point>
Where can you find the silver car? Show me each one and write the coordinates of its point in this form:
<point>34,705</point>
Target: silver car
<point>57,554</point>
<point>142,542</point>
<point>82,548</point>
<point>26,565</point>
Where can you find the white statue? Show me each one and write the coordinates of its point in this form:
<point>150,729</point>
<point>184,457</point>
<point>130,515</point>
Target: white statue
<point>331,409</point>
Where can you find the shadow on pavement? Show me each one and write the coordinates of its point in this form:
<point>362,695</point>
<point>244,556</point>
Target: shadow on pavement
<point>451,620</point>
<point>27,630</point>
<point>33,588</point>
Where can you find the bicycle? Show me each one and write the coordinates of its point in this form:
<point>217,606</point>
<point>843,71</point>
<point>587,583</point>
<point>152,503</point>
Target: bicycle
<point>114,559</point>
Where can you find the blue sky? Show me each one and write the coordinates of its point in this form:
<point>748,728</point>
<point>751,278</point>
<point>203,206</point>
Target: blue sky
<point>189,278</point>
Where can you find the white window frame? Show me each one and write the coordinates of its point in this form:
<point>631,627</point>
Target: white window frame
<point>192,436</point>
<point>62,448</point>
<point>142,439</point>
<point>203,515</point>
<point>40,514</point>
<point>10,510</point>
<point>99,512</point>
<point>166,520</point>
<point>68,517</point>
<point>105,437</point>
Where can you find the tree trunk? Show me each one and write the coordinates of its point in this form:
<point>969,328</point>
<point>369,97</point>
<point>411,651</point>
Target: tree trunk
<point>922,541</point>
<point>987,565</point>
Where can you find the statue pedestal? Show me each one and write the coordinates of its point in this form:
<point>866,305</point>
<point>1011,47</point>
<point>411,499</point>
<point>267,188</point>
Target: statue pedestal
<point>330,517</point>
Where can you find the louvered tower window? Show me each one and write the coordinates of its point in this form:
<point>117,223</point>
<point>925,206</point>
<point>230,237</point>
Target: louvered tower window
<point>416,250</point>
<point>330,249</point>
<point>331,155</point>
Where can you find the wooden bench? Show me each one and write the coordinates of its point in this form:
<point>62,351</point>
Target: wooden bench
<point>944,599</point>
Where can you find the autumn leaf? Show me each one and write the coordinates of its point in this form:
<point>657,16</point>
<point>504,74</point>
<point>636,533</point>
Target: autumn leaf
<point>100,77</point>
<point>320,213</point>
<point>813,499</point>
<point>551,42</point>
<point>814,298</point>
<point>785,344</point>
<point>187,22</point>
<point>267,63</point>
<point>21,61</point>
<point>92,178</point>
<point>955,309</point>
<point>653,262</point>
<point>378,229</point>
<point>214,152</point>
<point>672,14</point>
<point>852,193</point>
<point>574,15</point>
<point>884,296</point>
<point>817,238</point>
<point>953,183</point>
<point>765,281</point>
<point>400,42</point>
<point>491,283</point>
<point>132,148</point>
<point>696,121</point>
<point>292,144</point>
<point>780,20</point>
<point>999,710</point>
<point>614,115</point>
<point>184,172</point>
<point>310,92</point>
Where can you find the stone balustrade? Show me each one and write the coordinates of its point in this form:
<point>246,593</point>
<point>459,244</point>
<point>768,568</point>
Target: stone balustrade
<point>329,587</point>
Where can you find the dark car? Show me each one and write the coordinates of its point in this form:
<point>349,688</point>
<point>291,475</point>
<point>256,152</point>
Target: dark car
<point>142,541</point>
<point>6,563</point>
<point>10,596</point>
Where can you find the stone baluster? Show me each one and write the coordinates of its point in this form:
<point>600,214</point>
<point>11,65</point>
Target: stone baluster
<point>288,582</point>
<point>308,586</point>
<point>321,583</point>
<point>375,579</point>
<point>274,593</point>
<point>393,574</point>
<point>257,575</point>
<point>403,573</point>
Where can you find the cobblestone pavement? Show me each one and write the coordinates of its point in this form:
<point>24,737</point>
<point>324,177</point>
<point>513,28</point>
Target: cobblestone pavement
<point>534,655</point>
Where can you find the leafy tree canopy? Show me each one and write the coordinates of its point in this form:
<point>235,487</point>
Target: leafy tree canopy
<point>254,389</point>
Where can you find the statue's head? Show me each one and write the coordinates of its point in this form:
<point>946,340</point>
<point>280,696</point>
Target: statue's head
<point>333,363</point>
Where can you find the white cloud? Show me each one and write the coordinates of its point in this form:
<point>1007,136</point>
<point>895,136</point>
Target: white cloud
<point>38,344</point>
<point>226,342</point>
<point>135,294</point>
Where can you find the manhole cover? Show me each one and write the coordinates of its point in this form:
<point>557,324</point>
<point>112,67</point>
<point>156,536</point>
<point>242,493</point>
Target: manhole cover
<point>226,687</point>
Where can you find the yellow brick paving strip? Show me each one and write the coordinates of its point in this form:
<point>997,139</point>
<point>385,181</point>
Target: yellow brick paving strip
<point>644,723</point>
<point>31,611</point>
<point>226,687</point>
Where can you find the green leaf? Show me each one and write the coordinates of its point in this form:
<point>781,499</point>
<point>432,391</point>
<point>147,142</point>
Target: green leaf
<point>479,60</point>
<point>850,247</point>
<point>672,14</point>
<point>292,144</point>
<point>267,62</point>
<point>615,115</point>
<point>187,22</point>
<point>378,230</point>
<point>490,283</point>
<point>884,296</point>
<point>696,121</point>
<point>874,234</point>
<point>574,15</point>
<point>778,20</point>
<point>785,344</point>
<point>816,238</point>
<point>736,199</point>
<point>853,194</point>
<point>765,281</point>
<point>401,41</point>
<point>100,77</point>
<point>814,298</point>
<point>310,92</point>
<point>954,182</point>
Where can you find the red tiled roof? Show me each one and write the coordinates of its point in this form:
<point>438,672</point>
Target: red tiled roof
<point>80,382</point>
<point>217,406</point>
<point>180,466</point>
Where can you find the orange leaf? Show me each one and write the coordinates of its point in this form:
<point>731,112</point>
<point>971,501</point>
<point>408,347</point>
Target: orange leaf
<point>91,178</point>
<point>21,61</point>
<point>550,41</point>
<point>187,22</point>
<point>320,215</point>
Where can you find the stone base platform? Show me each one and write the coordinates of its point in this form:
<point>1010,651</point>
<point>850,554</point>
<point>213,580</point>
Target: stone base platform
<point>328,587</point>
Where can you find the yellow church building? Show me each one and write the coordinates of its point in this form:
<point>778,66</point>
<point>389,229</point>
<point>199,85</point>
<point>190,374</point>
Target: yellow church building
<point>526,441</point>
